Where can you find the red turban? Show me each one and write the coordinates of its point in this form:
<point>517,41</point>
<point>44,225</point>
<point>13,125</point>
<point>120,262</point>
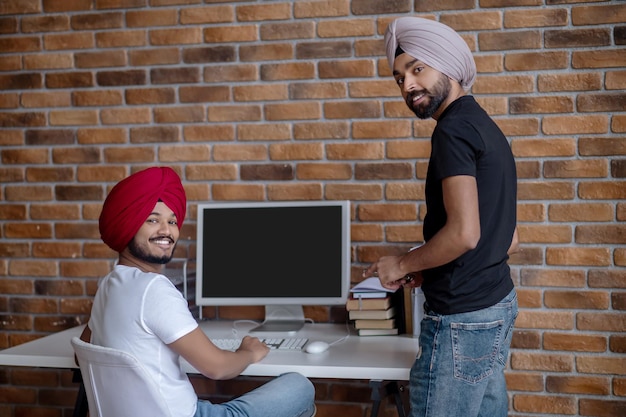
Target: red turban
<point>131,201</point>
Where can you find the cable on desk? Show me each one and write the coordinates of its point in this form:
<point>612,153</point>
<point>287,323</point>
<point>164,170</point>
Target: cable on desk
<point>237,322</point>
<point>344,338</point>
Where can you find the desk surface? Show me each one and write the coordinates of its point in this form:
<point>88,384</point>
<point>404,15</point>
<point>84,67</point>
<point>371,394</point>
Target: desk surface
<point>357,357</point>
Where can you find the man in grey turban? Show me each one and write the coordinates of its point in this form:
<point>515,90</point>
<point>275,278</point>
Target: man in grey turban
<point>433,43</point>
<point>469,230</point>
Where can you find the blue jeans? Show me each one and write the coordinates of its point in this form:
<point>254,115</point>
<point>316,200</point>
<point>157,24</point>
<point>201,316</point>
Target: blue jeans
<point>288,395</point>
<point>460,371</point>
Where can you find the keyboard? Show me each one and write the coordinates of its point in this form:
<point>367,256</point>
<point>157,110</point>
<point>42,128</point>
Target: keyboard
<point>283,344</point>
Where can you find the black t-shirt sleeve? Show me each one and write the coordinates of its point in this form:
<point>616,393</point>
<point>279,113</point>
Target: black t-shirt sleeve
<point>456,148</point>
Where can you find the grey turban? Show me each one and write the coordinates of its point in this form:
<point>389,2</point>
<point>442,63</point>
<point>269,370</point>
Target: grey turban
<point>434,44</point>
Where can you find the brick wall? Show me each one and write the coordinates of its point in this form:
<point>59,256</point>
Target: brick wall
<point>276,100</point>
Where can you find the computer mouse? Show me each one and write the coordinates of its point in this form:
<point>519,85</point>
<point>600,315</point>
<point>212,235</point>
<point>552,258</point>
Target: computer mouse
<point>316,347</point>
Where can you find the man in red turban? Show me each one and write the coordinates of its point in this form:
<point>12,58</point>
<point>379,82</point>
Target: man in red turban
<point>139,311</point>
<point>130,202</point>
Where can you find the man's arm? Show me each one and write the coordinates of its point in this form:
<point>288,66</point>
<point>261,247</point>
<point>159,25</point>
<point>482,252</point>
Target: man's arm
<point>207,358</point>
<point>213,362</point>
<point>460,234</point>
<point>514,243</point>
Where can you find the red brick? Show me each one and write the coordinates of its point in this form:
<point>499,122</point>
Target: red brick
<point>531,382</point>
<point>614,58</point>
<point>544,404</point>
<point>503,84</point>
<point>260,12</point>
<point>612,322</point>
<point>260,92</point>
<point>95,21</point>
<point>284,31</point>
<point>207,14</point>
<point>115,39</point>
<point>225,34</point>
<point>293,111</point>
<point>289,71</point>
<point>56,42</point>
<point>327,8</point>
<point>155,56</point>
<point>179,36</point>
<point>290,192</point>
<point>234,113</point>
<point>485,20</point>
<point>180,114</point>
<point>47,99</point>
<point>53,6</point>
<point>327,49</point>
<point>296,151</point>
<point>269,52</point>
<point>353,192</point>
<point>577,38</point>
<point>237,153</point>
<point>151,18</point>
<point>48,61</point>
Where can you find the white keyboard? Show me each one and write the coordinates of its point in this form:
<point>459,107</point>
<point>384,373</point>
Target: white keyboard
<point>284,344</point>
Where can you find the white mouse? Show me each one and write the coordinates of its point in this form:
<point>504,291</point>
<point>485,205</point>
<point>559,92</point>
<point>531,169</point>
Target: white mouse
<point>316,347</point>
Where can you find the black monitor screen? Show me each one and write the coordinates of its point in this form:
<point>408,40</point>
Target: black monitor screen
<point>273,253</point>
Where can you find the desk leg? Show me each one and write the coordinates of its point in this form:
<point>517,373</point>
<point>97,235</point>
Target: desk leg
<point>382,389</point>
<point>80,407</point>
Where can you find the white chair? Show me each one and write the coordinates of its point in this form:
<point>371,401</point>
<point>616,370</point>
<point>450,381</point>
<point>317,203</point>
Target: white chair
<point>116,384</point>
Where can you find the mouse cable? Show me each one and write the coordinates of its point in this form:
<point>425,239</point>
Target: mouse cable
<point>343,338</point>
<point>237,322</point>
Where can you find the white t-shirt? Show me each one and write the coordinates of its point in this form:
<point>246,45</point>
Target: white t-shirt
<point>140,313</point>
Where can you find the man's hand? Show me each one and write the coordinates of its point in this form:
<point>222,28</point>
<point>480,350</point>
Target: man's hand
<point>390,274</point>
<point>258,349</point>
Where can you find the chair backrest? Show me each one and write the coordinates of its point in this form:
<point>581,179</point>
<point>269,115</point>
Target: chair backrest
<point>116,384</point>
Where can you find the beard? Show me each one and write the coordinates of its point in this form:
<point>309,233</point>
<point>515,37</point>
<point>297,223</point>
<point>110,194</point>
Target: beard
<point>141,253</point>
<point>437,95</point>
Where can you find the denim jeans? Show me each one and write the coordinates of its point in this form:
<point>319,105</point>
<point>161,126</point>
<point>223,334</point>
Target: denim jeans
<point>288,395</point>
<point>460,371</point>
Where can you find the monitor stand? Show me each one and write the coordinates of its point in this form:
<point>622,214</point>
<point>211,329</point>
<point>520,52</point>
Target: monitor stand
<point>282,319</point>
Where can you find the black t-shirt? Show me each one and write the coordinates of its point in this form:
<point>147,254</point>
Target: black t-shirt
<point>466,141</point>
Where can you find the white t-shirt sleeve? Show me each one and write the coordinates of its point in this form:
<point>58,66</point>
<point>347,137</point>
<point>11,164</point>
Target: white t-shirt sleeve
<point>166,312</point>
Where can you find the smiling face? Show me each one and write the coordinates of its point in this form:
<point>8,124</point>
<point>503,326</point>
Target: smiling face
<point>425,90</point>
<point>155,241</point>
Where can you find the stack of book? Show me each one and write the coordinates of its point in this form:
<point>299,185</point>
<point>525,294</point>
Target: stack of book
<point>375,310</point>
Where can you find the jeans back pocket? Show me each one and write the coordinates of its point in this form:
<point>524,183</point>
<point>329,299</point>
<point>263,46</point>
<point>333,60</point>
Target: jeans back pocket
<point>475,348</point>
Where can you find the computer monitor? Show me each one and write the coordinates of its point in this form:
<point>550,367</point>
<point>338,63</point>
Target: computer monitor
<point>282,255</point>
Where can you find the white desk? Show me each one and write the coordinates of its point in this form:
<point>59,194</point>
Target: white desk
<point>376,358</point>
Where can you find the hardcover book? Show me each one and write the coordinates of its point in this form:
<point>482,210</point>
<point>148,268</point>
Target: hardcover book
<point>368,303</point>
<point>372,314</point>
<point>377,332</point>
<point>375,324</point>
